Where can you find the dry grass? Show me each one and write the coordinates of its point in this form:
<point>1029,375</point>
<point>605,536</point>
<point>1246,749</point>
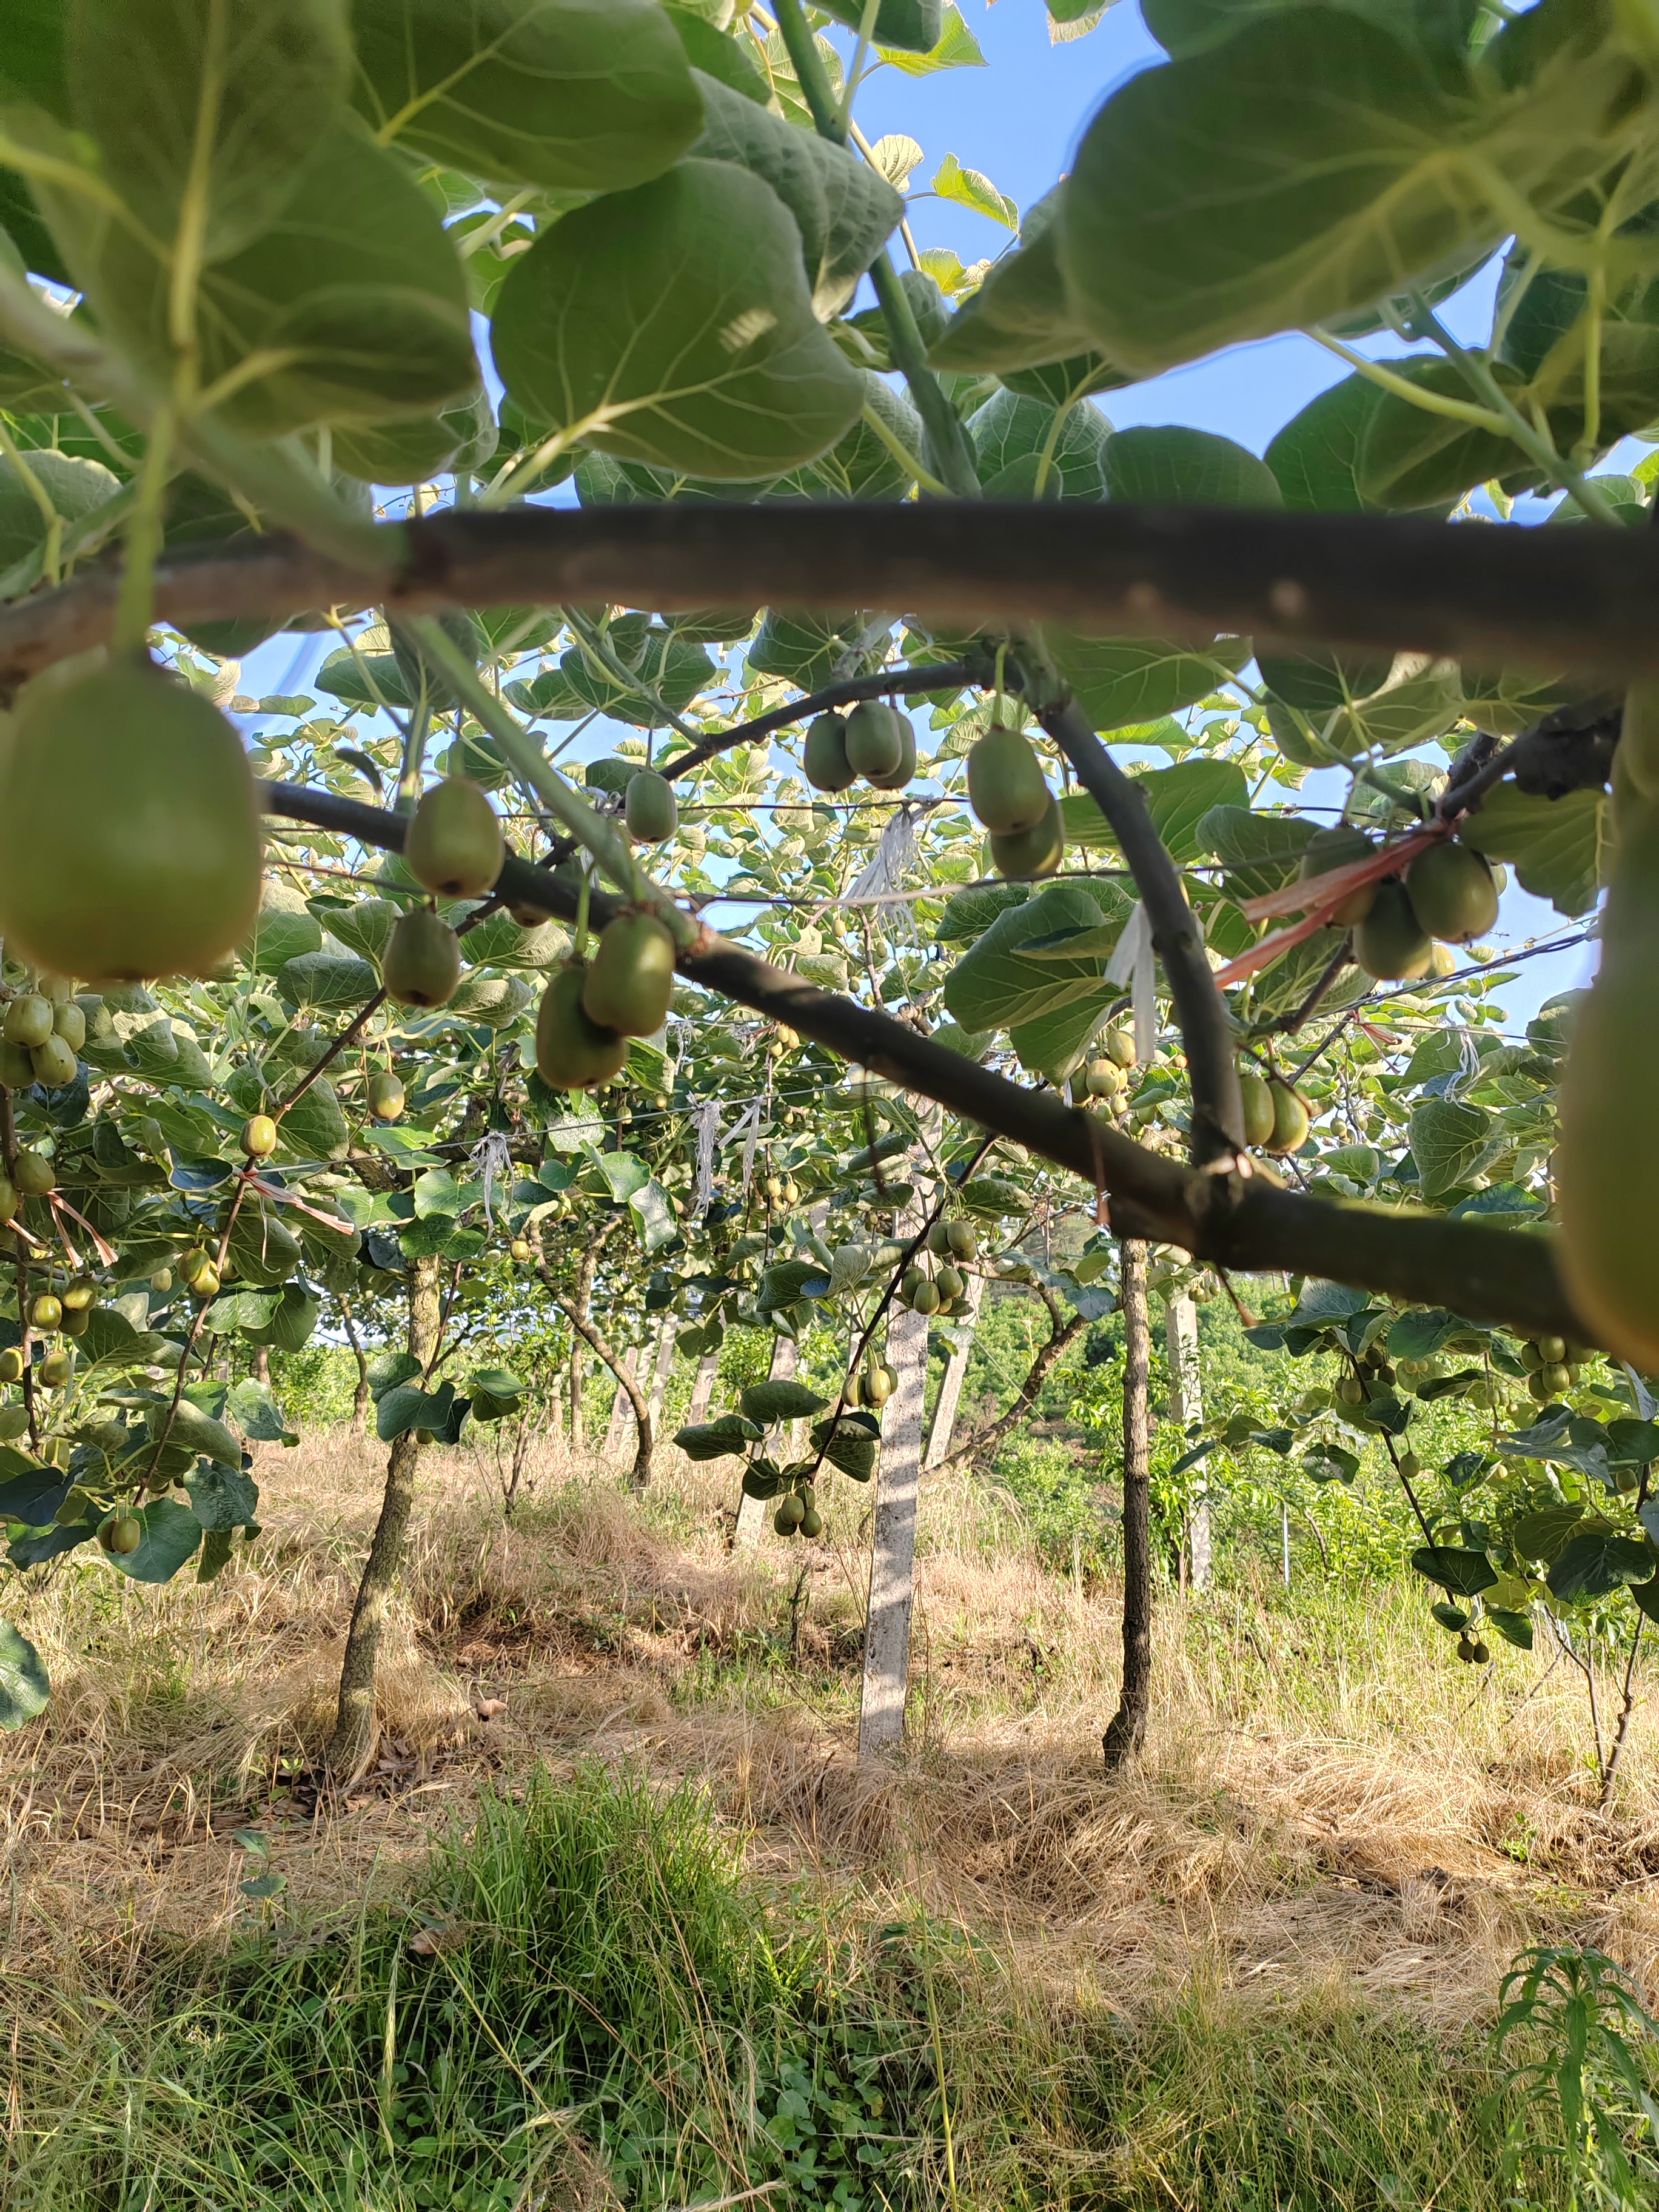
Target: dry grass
<point>1326,1798</point>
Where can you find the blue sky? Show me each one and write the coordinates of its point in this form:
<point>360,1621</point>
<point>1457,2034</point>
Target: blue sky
<point>1019,121</point>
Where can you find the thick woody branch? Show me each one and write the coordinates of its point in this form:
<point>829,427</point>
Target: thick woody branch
<point>1206,1030</point>
<point>1061,1335</point>
<point>1573,599</point>
<point>1230,1220</point>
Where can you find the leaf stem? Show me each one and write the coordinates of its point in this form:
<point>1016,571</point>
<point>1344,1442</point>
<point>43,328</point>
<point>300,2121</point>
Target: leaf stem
<point>135,603</point>
<point>901,453</point>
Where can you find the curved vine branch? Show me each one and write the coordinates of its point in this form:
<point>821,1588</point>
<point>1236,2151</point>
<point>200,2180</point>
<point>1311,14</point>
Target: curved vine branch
<point>945,676</point>
<point>1061,1335</point>
<point>1231,1221</point>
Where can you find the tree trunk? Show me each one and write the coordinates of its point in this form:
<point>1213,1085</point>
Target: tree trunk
<point>1187,1404</point>
<point>261,1364</point>
<point>351,1746</point>
<point>702,1389</point>
<point>575,1311</point>
<point>620,1402</point>
<point>893,1546</point>
<point>577,1439</point>
<point>360,1397</point>
<point>752,1511</point>
<point>629,1393</point>
<point>956,1373</point>
<point>1127,1730</point>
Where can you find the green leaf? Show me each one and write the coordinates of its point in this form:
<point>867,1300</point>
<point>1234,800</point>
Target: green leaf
<point>672,325</point>
<point>1560,850</point>
<point>767,1402</point>
<point>996,1196</point>
<point>1025,449</point>
<point>314,1128</point>
<point>844,209</point>
<point>914,27</point>
<point>1514,1628</point>
<point>729,1437</point>
<point>325,980</point>
<point>75,489</point>
<point>862,465</point>
<point>364,680</point>
<point>256,1414</point>
<point>1465,1573</point>
<point>653,1217</point>
<point>618,1175</point>
<point>956,47</point>
<point>1596,1564</point>
<point>1021,317</point>
<point>1118,681</point>
<point>969,915</point>
<point>1409,457</point>
<point>715,54</point>
<point>1160,467</point>
<point>351,307</point>
<point>1260,852</point>
<point>405,1408</point>
<point>196,1431</point>
<point>292,1321</point>
<point>202,110</point>
<point>1449,1140</point>
<point>672,667</point>
<point>1315,457</point>
<point>1308,167</point>
<point>24,1688</point>
<point>970,188</point>
<point>1344,707</point>
<point>1545,1533</point>
<point>171,1534</point>
<point>223,1497</point>
<point>789,1281</point>
<point>995,985</point>
<point>592,94</point>
<point>810,649</point>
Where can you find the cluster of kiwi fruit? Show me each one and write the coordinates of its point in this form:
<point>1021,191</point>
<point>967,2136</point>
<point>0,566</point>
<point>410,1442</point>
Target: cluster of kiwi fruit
<point>1277,1117</point>
<point>1377,1374</point>
<point>42,1033</point>
<point>872,1385</point>
<point>590,1012</point>
<point>797,1513</point>
<point>455,849</point>
<point>1552,1365</point>
<point>782,1193</point>
<point>63,1310</point>
<point>1106,1077</point>
<point>33,1175</point>
<point>1010,799</point>
<point>941,1290</point>
<point>875,741</point>
<point>1446,896</point>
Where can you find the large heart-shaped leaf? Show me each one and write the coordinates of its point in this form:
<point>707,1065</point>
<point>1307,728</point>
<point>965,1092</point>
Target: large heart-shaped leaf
<point>591,94</point>
<point>1559,848</point>
<point>672,325</point>
<point>24,1688</point>
<point>171,1534</point>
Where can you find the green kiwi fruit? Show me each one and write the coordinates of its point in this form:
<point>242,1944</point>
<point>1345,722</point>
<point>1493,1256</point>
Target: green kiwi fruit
<point>129,834</point>
<point>631,981</point>
<point>1007,788</point>
<point>1390,943</point>
<point>383,1096</point>
<point>1035,852</point>
<point>650,808</point>
<point>1453,892</point>
<point>29,1020</point>
<point>572,1051</point>
<point>875,739</point>
<point>1335,848</point>
<point>455,847</point>
<point>1290,1118</point>
<point>258,1137</point>
<point>1103,1078</point>
<point>422,963</point>
<point>54,1064</point>
<point>33,1173</point>
<point>1257,1094</point>
<point>823,757</point>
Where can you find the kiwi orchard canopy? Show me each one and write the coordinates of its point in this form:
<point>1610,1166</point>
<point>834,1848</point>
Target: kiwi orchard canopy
<point>858,560</point>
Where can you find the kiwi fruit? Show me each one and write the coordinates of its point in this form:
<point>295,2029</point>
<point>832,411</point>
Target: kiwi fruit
<point>1290,1118</point>
<point>650,808</point>
<point>1036,852</point>
<point>33,1173</point>
<point>572,1051</point>
<point>1103,1079</point>
<point>963,1239</point>
<point>876,735</point>
<point>1120,1047</point>
<point>16,1066</point>
<point>54,1064</point>
<point>70,1022</point>
<point>1257,1095</point>
<point>631,981</point>
<point>258,1137</point>
<point>122,1533</point>
<point>29,1020</point>
<point>924,1298</point>
<point>1335,848</point>
<point>823,757</point>
<point>879,1384</point>
<point>1453,892</point>
<point>1391,943</point>
<point>10,1200</point>
<point>421,964</point>
<point>812,1522</point>
<point>129,834</point>
<point>56,1371</point>
<point>383,1096</point>
<point>79,1294</point>
<point>950,1285</point>
<point>46,1313</point>
<point>454,848</point>
<point>1007,788</point>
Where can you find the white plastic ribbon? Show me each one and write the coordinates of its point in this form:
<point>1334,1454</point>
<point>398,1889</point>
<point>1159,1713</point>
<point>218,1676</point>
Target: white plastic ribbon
<point>1134,963</point>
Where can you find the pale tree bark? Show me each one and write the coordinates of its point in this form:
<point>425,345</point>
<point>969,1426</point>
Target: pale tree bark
<point>1187,1407</point>
<point>1126,1730</point>
<point>956,1374</point>
<point>752,1511</point>
<point>261,1364</point>
<point>360,1396</point>
<point>893,1545</point>
<point>663,1369</point>
<point>702,1389</point>
<point>351,1746</point>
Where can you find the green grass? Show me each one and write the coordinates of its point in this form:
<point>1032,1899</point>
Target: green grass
<point>608,2012</point>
